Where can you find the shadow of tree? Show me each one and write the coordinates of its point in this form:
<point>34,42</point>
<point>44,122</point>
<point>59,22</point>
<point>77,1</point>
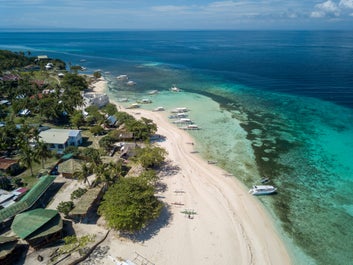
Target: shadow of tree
<point>152,228</point>
<point>168,169</point>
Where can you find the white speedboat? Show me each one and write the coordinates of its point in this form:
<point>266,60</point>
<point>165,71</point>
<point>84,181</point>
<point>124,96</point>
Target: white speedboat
<point>191,127</point>
<point>174,88</point>
<point>153,92</point>
<point>159,109</point>
<point>262,190</point>
<point>122,77</point>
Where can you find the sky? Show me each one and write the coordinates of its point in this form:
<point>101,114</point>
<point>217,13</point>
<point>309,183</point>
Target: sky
<point>177,14</point>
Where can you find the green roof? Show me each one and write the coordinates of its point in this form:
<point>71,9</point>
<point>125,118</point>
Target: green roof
<point>27,223</point>
<point>28,200</point>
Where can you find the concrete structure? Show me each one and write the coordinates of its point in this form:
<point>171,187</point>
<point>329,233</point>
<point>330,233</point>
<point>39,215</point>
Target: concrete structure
<point>59,139</point>
<point>99,100</point>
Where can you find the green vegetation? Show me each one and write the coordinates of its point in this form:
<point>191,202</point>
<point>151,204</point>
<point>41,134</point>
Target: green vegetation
<point>65,207</point>
<point>77,193</point>
<point>11,60</point>
<point>130,204</point>
<point>150,156</point>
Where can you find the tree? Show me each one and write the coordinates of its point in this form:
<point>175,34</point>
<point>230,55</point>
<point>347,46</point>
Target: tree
<point>27,156</point>
<point>65,207</point>
<point>142,129</point>
<point>71,81</point>
<point>5,183</point>
<point>97,74</point>
<point>110,109</point>
<point>83,174</point>
<point>77,119</point>
<point>97,130</point>
<point>150,156</point>
<point>129,205</point>
<point>42,152</point>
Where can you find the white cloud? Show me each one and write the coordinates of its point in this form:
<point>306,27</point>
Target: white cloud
<point>317,14</point>
<point>346,4</point>
<point>169,8</point>
<point>328,8</point>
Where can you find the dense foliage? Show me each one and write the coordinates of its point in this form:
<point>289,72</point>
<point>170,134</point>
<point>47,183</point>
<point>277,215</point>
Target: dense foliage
<point>130,204</point>
<point>150,156</point>
<point>65,207</point>
<point>10,60</point>
<point>78,193</point>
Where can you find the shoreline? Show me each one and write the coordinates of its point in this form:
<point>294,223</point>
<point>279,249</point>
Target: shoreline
<point>229,227</point>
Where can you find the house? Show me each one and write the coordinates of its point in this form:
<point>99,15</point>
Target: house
<point>9,166</point>
<point>111,120</point>
<point>59,139</point>
<point>42,57</point>
<point>68,167</point>
<point>38,227</point>
<point>99,100</point>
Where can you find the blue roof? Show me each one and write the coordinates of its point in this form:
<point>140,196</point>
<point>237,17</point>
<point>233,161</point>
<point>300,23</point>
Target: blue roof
<point>74,133</point>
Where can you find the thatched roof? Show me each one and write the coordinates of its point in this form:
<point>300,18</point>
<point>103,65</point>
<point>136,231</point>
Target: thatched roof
<point>70,166</point>
<point>86,201</point>
<point>136,170</point>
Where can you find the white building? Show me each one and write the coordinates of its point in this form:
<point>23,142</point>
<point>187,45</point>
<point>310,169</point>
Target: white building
<point>99,100</point>
<point>59,139</point>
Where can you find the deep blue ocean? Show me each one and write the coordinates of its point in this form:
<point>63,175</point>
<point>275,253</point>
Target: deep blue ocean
<point>295,89</point>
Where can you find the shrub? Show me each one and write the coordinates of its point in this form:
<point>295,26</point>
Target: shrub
<point>78,193</point>
<point>65,207</point>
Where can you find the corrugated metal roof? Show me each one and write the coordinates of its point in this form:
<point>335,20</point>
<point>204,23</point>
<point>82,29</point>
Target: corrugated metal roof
<point>58,136</point>
<point>28,200</point>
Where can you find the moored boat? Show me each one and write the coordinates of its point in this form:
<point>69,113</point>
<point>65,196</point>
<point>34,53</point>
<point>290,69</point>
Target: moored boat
<point>174,88</point>
<point>262,190</point>
<point>191,127</point>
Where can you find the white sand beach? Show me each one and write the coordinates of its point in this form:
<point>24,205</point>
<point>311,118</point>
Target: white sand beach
<point>229,227</point>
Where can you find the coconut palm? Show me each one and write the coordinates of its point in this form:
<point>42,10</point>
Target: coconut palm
<point>42,151</point>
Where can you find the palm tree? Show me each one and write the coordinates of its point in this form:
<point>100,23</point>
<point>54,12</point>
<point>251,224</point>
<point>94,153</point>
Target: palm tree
<point>27,155</point>
<point>42,151</point>
<point>83,174</point>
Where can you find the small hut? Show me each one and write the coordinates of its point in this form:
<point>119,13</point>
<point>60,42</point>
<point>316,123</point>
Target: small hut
<point>38,227</point>
<point>86,204</point>
<point>68,167</point>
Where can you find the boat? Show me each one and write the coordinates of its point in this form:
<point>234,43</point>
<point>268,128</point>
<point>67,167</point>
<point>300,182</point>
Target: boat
<point>191,127</point>
<point>159,109</point>
<point>146,101</point>
<point>134,106</point>
<point>262,190</point>
<point>131,83</point>
<point>183,121</point>
<point>123,99</point>
<point>122,77</point>
<point>174,88</point>
<point>153,92</point>
<point>265,180</point>
<point>180,110</point>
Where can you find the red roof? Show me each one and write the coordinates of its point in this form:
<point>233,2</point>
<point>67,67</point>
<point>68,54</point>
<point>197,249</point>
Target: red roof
<point>6,163</point>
